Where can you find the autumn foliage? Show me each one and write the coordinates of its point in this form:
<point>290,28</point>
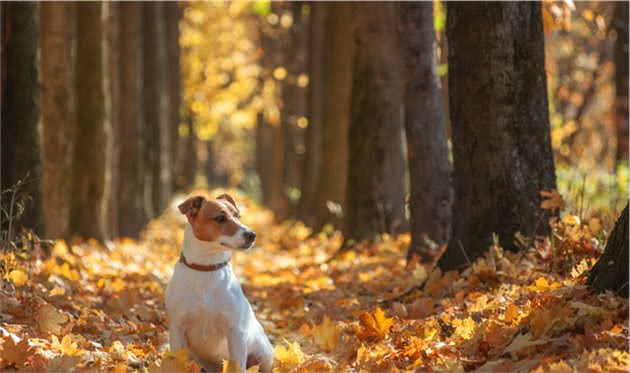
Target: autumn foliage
<point>92,306</point>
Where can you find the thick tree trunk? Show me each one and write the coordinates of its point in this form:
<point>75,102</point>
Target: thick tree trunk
<point>86,214</point>
<point>375,189</point>
<point>621,79</point>
<point>20,110</point>
<point>311,160</point>
<point>611,270</point>
<point>501,142</point>
<point>112,103</point>
<point>427,152</point>
<point>158,155</point>
<point>172,14</point>
<point>129,188</point>
<point>58,114</point>
<point>338,53</point>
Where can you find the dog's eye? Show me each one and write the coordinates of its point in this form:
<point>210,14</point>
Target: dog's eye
<point>220,219</point>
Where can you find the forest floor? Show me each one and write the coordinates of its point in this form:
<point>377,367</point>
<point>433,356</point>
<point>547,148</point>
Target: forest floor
<point>92,306</point>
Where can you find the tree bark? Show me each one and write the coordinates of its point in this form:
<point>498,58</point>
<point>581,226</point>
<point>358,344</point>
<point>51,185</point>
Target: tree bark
<point>112,109</point>
<point>58,114</point>
<point>611,270</point>
<point>621,79</point>
<point>172,14</point>
<point>338,52</point>
<point>294,107</point>
<point>20,110</point>
<point>427,152</point>
<point>86,214</point>
<point>311,160</point>
<point>130,185</point>
<point>501,141</point>
<point>158,182</point>
<point>375,189</point>
<point>189,167</point>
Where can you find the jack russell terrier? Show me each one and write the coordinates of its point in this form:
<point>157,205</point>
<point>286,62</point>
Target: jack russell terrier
<point>208,313</point>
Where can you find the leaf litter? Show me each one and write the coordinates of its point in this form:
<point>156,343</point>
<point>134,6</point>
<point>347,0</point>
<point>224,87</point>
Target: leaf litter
<point>90,306</point>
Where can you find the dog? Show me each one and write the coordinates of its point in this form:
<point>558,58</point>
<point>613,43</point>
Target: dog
<point>207,311</point>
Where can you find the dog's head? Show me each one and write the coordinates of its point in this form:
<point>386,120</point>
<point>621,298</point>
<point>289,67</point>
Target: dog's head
<point>218,221</point>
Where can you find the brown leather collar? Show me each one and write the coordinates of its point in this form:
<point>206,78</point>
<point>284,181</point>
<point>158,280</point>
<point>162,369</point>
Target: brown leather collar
<point>203,268</point>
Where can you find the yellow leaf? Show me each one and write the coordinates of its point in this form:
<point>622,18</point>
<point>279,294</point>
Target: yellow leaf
<point>18,277</point>
<point>57,290</point>
<point>375,325</point>
<point>511,313</point>
<point>289,357</point>
<point>465,328</point>
<point>541,284</point>
<point>326,334</point>
<point>50,320</point>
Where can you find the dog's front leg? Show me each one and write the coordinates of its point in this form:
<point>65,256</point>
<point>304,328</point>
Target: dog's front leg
<point>237,348</point>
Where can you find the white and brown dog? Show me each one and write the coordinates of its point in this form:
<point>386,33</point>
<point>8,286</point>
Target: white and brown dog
<point>208,313</point>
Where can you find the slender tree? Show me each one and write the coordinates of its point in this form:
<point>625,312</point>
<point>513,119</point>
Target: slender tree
<point>621,79</point>
<point>21,110</point>
<point>86,213</point>
<point>130,185</point>
<point>311,161</point>
<point>293,106</point>
<point>172,14</point>
<point>112,110</point>
<point>58,114</point>
<point>375,187</point>
<point>429,170</point>
<point>330,200</point>
<point>156,111</point>
<point>611,270</point>
<point>501,141</point>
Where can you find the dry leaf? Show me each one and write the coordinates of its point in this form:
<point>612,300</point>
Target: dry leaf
<point>50,320</point>
<point>375,325</point>
<point>326,335</point>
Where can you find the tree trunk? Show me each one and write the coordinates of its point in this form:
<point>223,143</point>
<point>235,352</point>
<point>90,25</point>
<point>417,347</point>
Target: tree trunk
<point>112,104</point>
<point>86,214</point>
<point>501,141</point>
<point>611,270</point>
<point>156,110</point>
<point>338,52</point>
<point>189,167</point>
<point>427,152</point>
<point>375,189</point>
<point>172,14</point>
<point>58,114</point>
<point>265,153</point>
<point>311,160</point>
<point>20,110</point>
<point>294,107</point>
<point>621,79</point>
<point>129,188</point>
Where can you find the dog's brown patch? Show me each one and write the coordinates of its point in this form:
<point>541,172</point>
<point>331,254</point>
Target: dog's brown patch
<point>211,219</point>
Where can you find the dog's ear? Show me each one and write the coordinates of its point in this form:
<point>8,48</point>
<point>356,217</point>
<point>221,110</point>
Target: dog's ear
<point>228,198</point>
<point>191,206</point>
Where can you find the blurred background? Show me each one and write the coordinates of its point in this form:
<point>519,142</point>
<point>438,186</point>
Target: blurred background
<point>110,108</point>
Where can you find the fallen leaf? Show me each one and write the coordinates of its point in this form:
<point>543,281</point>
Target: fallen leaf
<point>50,320</point>
<point>326,335</point>
<point>375,325</point>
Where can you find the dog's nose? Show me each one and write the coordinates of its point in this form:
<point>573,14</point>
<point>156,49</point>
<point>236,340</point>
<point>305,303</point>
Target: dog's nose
<point>249,236</point>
